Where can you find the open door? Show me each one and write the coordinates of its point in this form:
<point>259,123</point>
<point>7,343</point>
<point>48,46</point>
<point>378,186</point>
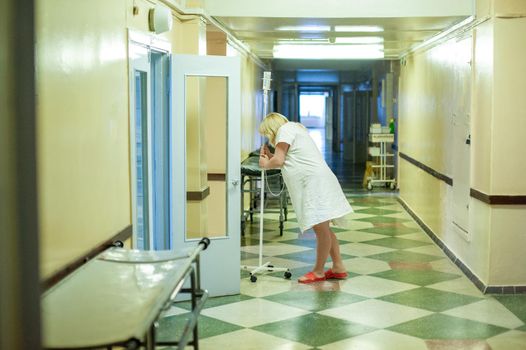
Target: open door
<point>206,165</point>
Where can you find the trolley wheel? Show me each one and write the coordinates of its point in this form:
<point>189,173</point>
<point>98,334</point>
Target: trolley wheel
<point>369,185</point>
<point>253,278</point>
<point>288,275</point>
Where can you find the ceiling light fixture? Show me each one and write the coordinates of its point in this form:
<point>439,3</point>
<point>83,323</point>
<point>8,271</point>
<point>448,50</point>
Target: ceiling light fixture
<point>328,51</point>
<point>359,40</point>
<point>368,29</point>
<point>307,28</point>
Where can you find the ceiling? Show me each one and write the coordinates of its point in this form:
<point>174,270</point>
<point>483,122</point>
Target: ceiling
<point>404,24</point>
<point>399,34</point>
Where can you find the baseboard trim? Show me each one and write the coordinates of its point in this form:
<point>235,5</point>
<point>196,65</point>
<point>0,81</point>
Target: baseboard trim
<point>486,289</point>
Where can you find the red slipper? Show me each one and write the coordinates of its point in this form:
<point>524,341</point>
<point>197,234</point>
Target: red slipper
<point>310,277</point>
<point>336,275</point>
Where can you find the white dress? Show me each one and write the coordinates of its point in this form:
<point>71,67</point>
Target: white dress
<point>313,188</point>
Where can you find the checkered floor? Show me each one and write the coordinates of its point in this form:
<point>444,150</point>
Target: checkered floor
<point>402,293</point>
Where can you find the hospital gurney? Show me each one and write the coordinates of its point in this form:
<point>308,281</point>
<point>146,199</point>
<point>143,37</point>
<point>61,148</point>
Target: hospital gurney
<point>250,179</point>
<point>117,298</point>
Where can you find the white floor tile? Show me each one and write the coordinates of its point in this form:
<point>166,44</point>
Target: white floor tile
<point>278,262</point>
<point>488,311</point>
<point>363,249</point>
<point>445,265</point>
<point>417,236</point>
<point>358,236</point>
<point>378,340</point>
<point>430,249</point>
<point>373,287</point>
<point>364,266</point>
<point>358,225</point>
<point>355,215</point>
<point>253,312</point>
<point>459,285</point>
<point>515,340</point>
<point>265,285</point>
<point>173,311</point>
<point>376,313</point>
<point>248,339</point>
<point>271,249</point>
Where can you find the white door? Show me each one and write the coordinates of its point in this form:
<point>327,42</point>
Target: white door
<point>206,165</point>
<point>461,169</point>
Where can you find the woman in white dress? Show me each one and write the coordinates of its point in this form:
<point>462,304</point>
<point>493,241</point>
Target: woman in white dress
<point>314,190</point>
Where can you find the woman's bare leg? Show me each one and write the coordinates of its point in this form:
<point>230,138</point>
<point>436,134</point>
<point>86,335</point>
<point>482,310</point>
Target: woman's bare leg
<point>326,244</point>
<point>337,264</point>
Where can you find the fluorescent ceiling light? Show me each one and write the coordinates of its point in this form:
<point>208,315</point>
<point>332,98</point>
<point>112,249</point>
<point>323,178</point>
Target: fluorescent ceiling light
<point>311,28</point>
<point>369,29</point>
<point>329,51</point>
<point>360,40</point>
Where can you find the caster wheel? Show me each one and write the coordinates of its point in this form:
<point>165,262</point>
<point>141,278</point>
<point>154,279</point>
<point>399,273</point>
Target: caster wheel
<point>288,275</point>
<point>253,278</point>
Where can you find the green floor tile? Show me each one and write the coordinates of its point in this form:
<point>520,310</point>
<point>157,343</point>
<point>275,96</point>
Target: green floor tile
<point>215,301</point>
<point>438,326</point>
<point>249,240</point>
<point>296,273</point>
<point>314,329</point>
<point>308,256</point>
<point>383,219</point>
<point>418,277</point>
<point>430,299</point>
<point>315,301</point>
<point>404,256</point>
<point>514,303</point>
<point>311,243</point>
<point>397,243</point>
<point>171,328</point>
<point>391,231</point>
<point>377,211</point>
<point>247,255</point>
<point>523,328</point>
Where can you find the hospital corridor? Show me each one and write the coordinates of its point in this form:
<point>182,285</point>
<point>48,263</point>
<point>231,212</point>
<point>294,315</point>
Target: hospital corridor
<point>152,196</point>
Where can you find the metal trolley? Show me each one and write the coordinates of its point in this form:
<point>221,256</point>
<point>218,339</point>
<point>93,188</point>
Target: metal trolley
<point>383,164</point>
<point>117,298</point>
<point>251,182</point>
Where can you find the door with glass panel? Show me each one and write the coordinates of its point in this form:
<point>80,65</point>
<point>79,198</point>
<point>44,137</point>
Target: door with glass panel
<point>150,146</point>
<point>206,165</point>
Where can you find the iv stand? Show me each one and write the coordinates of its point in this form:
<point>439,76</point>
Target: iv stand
<point>266,267</point>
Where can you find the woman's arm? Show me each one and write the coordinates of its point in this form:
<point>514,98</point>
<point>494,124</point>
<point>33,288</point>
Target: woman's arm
<point>277,160</point>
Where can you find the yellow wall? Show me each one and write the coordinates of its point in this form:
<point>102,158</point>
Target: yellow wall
<point>509,124</point>
<point>83,121</point>
<point>430,85</point>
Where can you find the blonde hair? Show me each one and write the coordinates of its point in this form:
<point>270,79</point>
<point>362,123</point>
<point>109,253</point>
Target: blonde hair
<point>270,125</point>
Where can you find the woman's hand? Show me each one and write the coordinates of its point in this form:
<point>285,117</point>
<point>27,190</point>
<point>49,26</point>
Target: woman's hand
<point>263,157</point>
<point>265,150</point>
<point>275,160</point>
